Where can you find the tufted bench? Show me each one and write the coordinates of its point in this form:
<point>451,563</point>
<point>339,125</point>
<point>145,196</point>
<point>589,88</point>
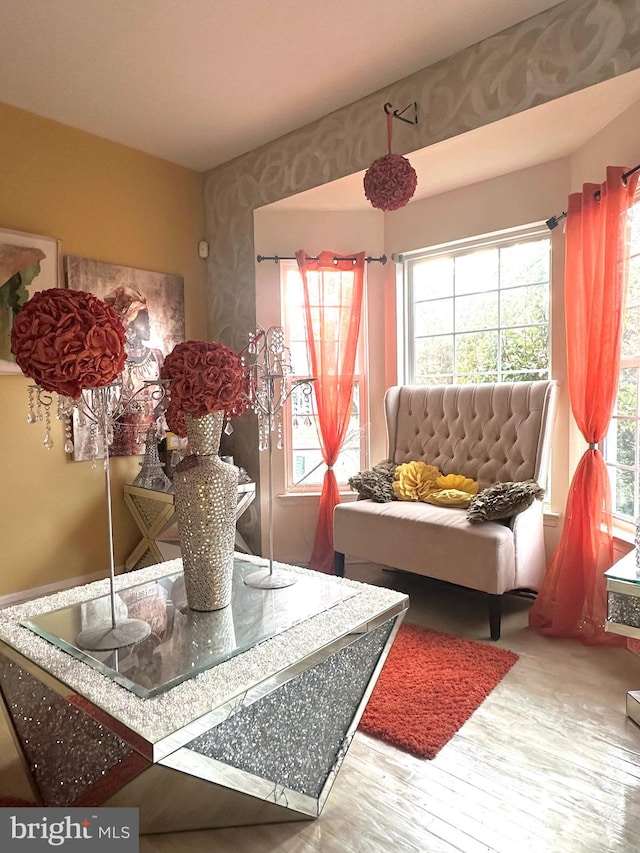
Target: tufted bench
<point>491,432</point>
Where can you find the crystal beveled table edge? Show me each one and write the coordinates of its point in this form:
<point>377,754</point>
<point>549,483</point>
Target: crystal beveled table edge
<point>161,717</point>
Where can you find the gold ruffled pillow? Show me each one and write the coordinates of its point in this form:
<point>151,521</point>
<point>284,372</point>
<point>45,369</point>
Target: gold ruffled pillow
<point>449,497</point>
<point>457,482</point>
<point>414,481</point>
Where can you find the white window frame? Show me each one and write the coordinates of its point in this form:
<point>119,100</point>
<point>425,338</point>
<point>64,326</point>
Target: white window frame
<point>406,339</point>
<point>360,378</point>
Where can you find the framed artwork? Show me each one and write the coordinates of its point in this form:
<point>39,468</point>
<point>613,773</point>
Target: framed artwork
<point>151,307</point>
<point>28,263</point>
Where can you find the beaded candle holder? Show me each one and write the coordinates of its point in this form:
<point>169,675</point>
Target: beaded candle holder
<point>271,384</point>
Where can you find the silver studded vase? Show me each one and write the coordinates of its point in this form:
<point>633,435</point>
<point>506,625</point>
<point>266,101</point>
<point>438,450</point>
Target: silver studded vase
<point>206,496</point>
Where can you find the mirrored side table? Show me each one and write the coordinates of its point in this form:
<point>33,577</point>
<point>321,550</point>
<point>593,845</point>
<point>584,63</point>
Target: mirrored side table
<point>623,611</point>
<point>154,513</point>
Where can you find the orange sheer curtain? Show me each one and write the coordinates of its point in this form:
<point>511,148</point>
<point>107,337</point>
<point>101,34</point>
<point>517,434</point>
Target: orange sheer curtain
<point>333,287</point>
<point>572,601</point>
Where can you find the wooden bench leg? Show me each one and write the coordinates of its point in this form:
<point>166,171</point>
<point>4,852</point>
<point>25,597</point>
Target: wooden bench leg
<point>338,564</point>
<point>495,615</point>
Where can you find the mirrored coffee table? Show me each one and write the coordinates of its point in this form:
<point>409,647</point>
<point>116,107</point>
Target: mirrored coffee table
<point>234,717</point>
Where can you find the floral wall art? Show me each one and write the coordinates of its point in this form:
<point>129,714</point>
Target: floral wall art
<point>151,307</point>
<point>28,263</point>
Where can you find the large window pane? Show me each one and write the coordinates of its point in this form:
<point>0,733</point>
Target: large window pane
<point>524,263</point>
<point>477,353</point>
<point>522,376</point>
<point>530,303</point>
<point>633,290</point>
<point>433,317</point>
<point>433,279</point>
<point>476,271</point>
<point>493,325</point>
<point>299,358</point>
<point>624,499</point>
<point>526,350</point>
<point>434,355</point>
<point>297,326</point>
<point>477,312</point>
<point>476,376</point>
<point>631,332</point>
<point>627,399</point>
<point>622,445</point>
<point>626,441</point>
<point>635,231</point>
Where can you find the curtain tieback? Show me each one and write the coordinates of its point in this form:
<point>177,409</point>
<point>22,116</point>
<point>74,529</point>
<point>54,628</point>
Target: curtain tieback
<point>593,445</point>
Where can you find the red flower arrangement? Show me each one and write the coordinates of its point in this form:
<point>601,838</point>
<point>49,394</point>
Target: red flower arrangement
<point>390,182</point>
<point>67,340</point>
<point>205,377</point>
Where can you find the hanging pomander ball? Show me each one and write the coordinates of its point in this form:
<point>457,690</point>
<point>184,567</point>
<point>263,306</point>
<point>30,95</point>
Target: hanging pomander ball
<point>390,181</point>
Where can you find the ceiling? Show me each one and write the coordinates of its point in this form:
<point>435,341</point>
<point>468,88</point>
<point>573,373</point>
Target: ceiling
<point>200,82</point>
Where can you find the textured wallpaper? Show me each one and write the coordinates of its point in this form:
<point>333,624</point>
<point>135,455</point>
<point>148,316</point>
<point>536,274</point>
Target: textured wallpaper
<point>574,45</point>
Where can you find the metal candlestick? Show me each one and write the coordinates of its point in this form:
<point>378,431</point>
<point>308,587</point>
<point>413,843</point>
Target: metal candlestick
<point>123,632</point>
<point>270,388</point>
<point>101,407</point>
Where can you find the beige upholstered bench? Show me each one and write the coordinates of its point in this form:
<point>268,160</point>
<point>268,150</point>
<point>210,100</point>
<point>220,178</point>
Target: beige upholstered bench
<point>493,433</point>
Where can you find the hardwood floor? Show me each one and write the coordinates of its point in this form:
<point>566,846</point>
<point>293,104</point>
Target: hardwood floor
<point>549,763</point>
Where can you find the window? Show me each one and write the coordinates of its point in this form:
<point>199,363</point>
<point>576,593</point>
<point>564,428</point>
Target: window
<point>305,467</point>
<point>478,311</point>
<point>622,445</point>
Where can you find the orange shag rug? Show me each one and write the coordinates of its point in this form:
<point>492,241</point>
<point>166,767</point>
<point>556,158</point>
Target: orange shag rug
<point>430,684</point>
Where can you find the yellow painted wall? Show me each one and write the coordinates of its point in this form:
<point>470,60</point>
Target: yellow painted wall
<point>111,203</point>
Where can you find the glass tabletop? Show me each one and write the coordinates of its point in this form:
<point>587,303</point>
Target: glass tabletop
<point>184,642</point>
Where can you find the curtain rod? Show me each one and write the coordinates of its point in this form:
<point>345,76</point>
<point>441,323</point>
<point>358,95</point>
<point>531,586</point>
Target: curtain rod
<point>277,258</point>
<point>554,221</point>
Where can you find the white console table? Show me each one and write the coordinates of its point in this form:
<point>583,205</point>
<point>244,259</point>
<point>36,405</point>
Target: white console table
<point>153,511</point>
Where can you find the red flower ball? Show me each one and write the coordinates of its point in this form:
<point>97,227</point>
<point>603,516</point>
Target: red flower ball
<point>390,182</point>
<point>205,377</point>
<point>67,340</point>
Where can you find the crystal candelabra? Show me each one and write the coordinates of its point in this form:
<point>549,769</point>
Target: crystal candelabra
<point>100,409</point>
<point>270,386</point>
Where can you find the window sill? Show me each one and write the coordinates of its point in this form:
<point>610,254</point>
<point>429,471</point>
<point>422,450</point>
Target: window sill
<point>624,532</point>
<point>551,518</point>
<point>293,497</point>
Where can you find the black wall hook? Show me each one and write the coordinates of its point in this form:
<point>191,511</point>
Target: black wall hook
<point>388,108</point>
